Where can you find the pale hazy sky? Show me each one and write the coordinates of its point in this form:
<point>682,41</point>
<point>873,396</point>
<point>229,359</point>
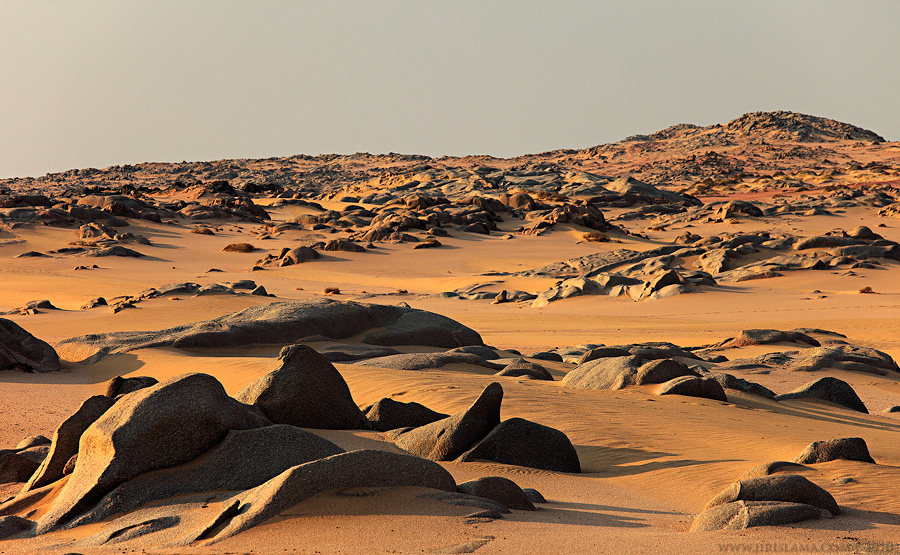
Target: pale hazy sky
<point>112,82</point>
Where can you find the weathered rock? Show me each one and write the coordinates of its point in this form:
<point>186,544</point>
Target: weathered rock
<point>740,515</point>
<point>845,357</point>
<point>157,427</point>
<point>603,373</point>
<point>619,372</point>
<point>65,441</point>
<point>502,490</point>
<point>693,386</point>
<point>33,441</point>
<point>36,453</point>
<point>521,442</point>
<point>603,352</point>
<point>364,468</point>
<point>489,507</point>
<point>769,468</point>
<point>94,303</point>
<point>483,351</point>
<point>243,460</point>
<point>524,368</point>
<point>16,468</point>
<point>350,353</point>
<point>727,381</point>
<point>790,488</point>
<point>534,495</point>
<point>765,337</point>
<point>285,323</point>
<point>848,448</point>
<point>298,255</point>
<point>829,389</point>
<point>10,525</point>
<point>121,386</point>
<point>115,250</point>
<point>19,350</point>
<point>388,414</point>
<point>417,327</point>
<point>661,370</point>
<point>421,361</point>
<point>306,391</point>
<point>449,438</point>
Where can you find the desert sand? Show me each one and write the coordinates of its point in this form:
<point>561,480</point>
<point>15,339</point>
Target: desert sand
<point>689,236</point>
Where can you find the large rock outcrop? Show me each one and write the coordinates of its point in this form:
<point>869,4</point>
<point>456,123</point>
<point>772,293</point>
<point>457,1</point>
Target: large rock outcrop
<point>285,323</point>
<point>243,460</point>
<point>365,468</point>
<point>157,427</point>
<point>65,440</point>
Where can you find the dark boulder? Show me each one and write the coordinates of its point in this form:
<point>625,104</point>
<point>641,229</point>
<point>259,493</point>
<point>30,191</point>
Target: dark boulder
<point>388,414</point>
<point>524,368</point>
<point>740,515</point>
<point>16,468</point>
<point>693,386</point>
<point>306,391</point>
<point>19,350</point>
<point>828,389</point>
<point>243,460</point>
<point>847,448</point>
<point>521,442</point>
<point>121,386</point>
<point>502,490</point>
<point>447,439</point>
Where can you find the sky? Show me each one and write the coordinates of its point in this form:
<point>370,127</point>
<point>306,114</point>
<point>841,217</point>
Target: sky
<point>99,83</point>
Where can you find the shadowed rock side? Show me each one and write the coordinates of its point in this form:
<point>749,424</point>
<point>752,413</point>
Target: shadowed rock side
<point>388,414</point>
<point>19,350</point>
<point>286,322</point>
<point>305,390</point>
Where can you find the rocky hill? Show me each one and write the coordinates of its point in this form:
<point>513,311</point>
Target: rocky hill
<point>770,149</point>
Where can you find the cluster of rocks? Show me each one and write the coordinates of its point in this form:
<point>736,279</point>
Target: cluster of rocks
<point>249,457</point>
<point>477,433</point>
<point>290,322</point>
<point>698,372</point>
<point>112,210</point>
<point>727,258</point>
<point>765,497</point>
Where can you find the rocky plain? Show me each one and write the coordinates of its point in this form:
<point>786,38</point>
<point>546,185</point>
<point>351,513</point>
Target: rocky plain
<point>682,342</point>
